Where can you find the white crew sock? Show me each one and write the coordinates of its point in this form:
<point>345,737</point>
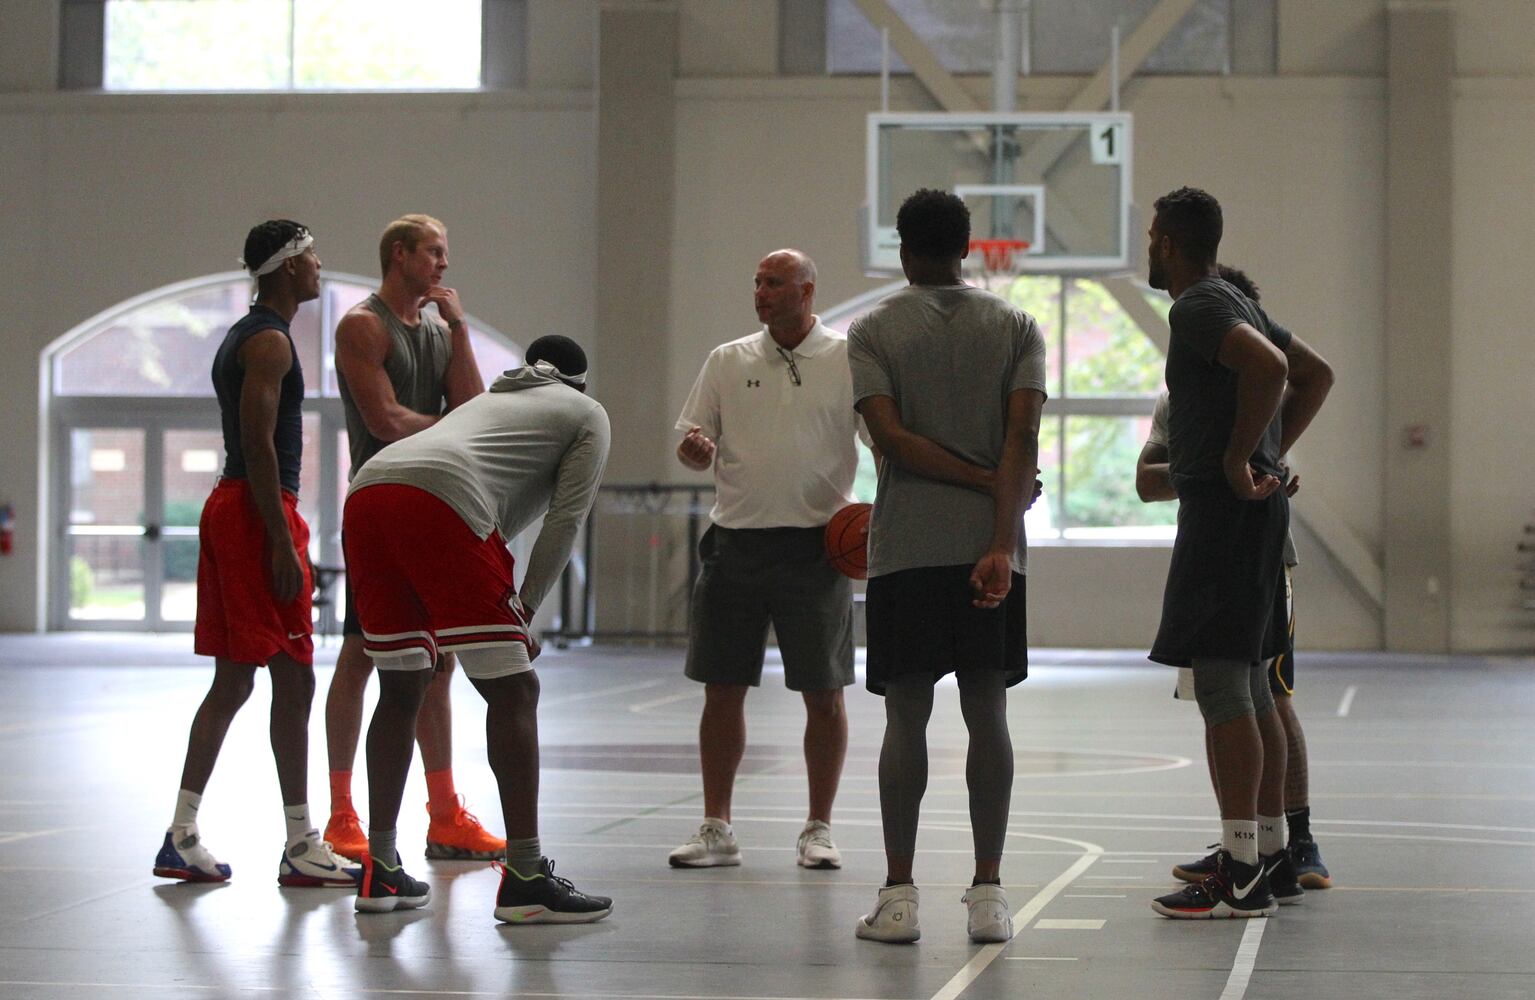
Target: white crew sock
<point>184,820</point>
<point>1240,837</point>
<point>1271,834</point>
<point>297,819</point>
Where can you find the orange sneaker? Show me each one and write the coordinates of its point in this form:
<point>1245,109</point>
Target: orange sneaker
<point>344,831</point>
<point>458,836</point>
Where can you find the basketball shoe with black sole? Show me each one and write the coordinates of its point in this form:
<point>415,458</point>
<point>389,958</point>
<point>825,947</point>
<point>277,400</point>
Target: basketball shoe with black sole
<point>1234,890</point>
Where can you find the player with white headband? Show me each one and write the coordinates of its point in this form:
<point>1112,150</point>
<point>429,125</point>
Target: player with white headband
<point>254,583</point>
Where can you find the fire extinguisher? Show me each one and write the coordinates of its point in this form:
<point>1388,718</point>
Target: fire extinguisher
<point>7,529</point>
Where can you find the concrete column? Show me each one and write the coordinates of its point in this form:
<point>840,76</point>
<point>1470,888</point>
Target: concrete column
<point>29,46</point>
<point>636,125</point>
<point>1419,185</point>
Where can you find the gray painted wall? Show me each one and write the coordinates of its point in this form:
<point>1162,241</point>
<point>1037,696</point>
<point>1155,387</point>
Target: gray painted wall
<point>106,196</point>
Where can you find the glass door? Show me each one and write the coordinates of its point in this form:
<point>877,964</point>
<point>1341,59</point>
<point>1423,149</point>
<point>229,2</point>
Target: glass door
<point>106,534</point>
<point>193,458</point>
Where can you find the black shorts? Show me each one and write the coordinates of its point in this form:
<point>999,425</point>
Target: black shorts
<point>350,624</point>
<point>1225,597</point>
<point>1282,672</point>
<point>753,577</point>
<point>921,621</point>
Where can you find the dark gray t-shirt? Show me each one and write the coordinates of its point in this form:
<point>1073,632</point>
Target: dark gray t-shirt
<point>1203,391</point>
<point>1158,436</point>
<point>950,357</point>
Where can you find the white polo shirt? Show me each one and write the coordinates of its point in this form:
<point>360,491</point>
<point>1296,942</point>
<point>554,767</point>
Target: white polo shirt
<point>786,454</point>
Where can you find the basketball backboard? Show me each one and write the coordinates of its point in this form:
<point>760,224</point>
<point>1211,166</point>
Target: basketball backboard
<point>1059,181</point>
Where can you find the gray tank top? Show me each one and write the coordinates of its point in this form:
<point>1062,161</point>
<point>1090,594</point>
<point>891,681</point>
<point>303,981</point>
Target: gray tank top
<point>417,361</point>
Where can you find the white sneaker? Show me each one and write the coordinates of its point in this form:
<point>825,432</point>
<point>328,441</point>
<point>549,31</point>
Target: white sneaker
<point>894,917</point>
<point>714,845</point>
<point>312,862</point>
<point>990,919</point>
<point>815,847</point>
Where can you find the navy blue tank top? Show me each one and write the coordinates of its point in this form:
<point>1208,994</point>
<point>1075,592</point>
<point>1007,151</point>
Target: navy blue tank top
<point>229,379</point>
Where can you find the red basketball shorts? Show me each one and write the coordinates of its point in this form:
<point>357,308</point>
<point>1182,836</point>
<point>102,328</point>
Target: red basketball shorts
<point>424,581</point>
<point>237,617</point>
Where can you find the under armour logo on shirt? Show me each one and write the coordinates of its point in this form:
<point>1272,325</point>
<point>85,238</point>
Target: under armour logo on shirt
<point>753,383</point>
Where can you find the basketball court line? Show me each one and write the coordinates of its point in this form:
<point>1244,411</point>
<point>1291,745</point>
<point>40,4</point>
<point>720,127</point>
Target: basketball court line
<point>1022,917</point>
<point>645,706</point>
<point>1039,958</point>
<point>30,917</point>
<point>1246,960</point>
<point>18,837</point>
<point>1045,793</point>
<point>1014,817</point>
<point>603,692</point>
<point>1348,700</point>
<point>1018,829</point>
<point>1069,924</point>
<point>386,992</point>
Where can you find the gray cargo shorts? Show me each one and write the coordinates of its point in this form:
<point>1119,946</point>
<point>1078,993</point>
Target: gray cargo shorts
<point>753,577</point>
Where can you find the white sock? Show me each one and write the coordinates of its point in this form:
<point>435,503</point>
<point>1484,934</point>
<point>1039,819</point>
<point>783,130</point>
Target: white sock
<point>1271,834</point>
<point>185,817</point>
<point>297,818</point>
<point>1240,837</point>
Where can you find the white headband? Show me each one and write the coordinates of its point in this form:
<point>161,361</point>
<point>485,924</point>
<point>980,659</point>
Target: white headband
<point>548,368</point>
<point>303,241</point>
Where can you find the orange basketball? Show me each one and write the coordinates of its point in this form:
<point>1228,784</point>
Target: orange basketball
<point>847,540</point>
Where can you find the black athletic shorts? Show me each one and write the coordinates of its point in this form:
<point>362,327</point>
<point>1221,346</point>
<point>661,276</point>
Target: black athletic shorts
<point>921,621</point>
<point>1282,672</point>
<point>753,577</point>
<point>350,624</point>
<point>1225,597</point>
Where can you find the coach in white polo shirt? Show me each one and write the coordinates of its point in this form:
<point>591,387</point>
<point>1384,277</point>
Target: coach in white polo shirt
<point>773,414</point>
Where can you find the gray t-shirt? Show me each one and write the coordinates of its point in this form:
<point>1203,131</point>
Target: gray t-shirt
<point>1158,436</point>
<point>417,361</point>
<point>949,356</point>
<point>1204,391</point>
<point>529,447</point>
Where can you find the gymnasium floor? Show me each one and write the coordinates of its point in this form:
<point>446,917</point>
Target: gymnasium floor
<point>1423,778</point>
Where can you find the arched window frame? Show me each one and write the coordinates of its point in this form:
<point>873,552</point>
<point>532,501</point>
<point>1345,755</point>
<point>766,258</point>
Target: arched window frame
<point>60,413</point>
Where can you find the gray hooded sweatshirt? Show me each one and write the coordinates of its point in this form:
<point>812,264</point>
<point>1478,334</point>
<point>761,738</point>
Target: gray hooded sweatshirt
<point>530,445</point>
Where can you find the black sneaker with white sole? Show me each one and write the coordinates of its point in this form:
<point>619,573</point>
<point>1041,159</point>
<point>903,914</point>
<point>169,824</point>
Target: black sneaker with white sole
<point>386,888</point>
<point>1233,890</point>
<point>1282,880</point>
<point>545,898</point>
<point>1198,871</point>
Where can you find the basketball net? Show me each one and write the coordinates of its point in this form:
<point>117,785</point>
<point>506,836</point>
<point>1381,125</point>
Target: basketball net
<point>1001,258</point>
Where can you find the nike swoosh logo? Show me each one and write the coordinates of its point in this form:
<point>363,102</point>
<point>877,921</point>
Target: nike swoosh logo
<point>391,890</point>
<point>1241,891</point>
<point>297,635</point>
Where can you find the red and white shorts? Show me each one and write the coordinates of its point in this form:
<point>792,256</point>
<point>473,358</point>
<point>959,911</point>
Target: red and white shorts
<point>237,617</point>
<point>425,584</point>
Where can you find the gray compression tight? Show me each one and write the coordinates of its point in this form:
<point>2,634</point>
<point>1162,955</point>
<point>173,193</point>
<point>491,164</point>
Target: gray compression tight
<point>1229,689</point>
<point>988,767</point>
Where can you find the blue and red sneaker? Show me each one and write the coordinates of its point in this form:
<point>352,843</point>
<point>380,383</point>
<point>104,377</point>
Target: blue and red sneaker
<point>188,860</point>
